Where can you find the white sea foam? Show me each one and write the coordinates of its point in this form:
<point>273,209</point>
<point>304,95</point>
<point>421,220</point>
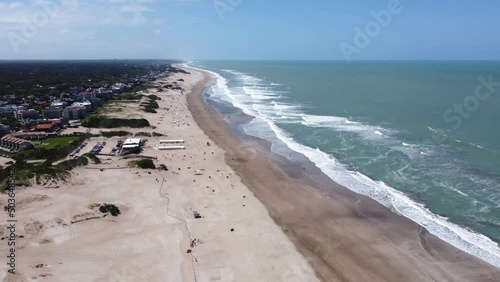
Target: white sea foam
<point>471,144</point>
<point>264,126</point>
<point>343,124</point>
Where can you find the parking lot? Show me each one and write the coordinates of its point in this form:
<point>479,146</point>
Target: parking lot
<point>99,146</point>
<point>79,149</point>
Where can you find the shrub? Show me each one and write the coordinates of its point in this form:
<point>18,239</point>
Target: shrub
<point>114,133</point>
<point>76,162</point>
<point>177,70</point>
<point>105,122</point>
<point>152,105</point>
<point>130,96</point>
<point>145,134</point>
<point>143,163</point>
<point>150,110</point>
<point>112,209</point>
<point>93,206</point>
<point>93,158</point>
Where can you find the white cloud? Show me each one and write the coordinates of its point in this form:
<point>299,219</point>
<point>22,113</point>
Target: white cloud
<point>77,13</point>
<point>89,23</point>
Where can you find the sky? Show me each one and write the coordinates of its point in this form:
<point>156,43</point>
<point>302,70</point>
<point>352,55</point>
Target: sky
<point>250,29</point>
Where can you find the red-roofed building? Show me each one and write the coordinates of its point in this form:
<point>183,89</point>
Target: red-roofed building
<point>51,126</point>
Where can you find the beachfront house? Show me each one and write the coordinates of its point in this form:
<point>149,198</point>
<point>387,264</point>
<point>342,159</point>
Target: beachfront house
<point>31,135</point>
<point>13,144</point>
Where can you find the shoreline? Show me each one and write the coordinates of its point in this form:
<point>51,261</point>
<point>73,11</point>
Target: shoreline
<point>336,229</point>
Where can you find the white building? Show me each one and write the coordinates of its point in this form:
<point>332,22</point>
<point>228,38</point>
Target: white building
<point>85,104</point>
<point>58,104</point>
<point>131,143</point>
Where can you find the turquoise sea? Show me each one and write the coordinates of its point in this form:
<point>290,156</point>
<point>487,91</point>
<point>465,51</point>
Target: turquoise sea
<point>422,138</point>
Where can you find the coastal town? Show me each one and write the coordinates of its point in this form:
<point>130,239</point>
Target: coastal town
<point>35,118</point>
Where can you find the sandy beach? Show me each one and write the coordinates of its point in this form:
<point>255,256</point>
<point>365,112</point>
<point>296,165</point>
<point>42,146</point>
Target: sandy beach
<point>156,237</point>
<point>257,222</point>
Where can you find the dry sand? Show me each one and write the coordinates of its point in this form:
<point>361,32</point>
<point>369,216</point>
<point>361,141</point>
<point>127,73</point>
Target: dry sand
<point>156,237</point>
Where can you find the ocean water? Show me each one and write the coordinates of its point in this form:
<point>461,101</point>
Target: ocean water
<point>422,138</point>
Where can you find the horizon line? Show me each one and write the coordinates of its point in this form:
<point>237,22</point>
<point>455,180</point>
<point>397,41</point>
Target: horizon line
<point>262,60</point>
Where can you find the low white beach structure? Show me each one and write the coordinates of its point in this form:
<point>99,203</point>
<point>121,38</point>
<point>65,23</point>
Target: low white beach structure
<point>171,147</point>
<point>131,143</point>
<point>168,142</point>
